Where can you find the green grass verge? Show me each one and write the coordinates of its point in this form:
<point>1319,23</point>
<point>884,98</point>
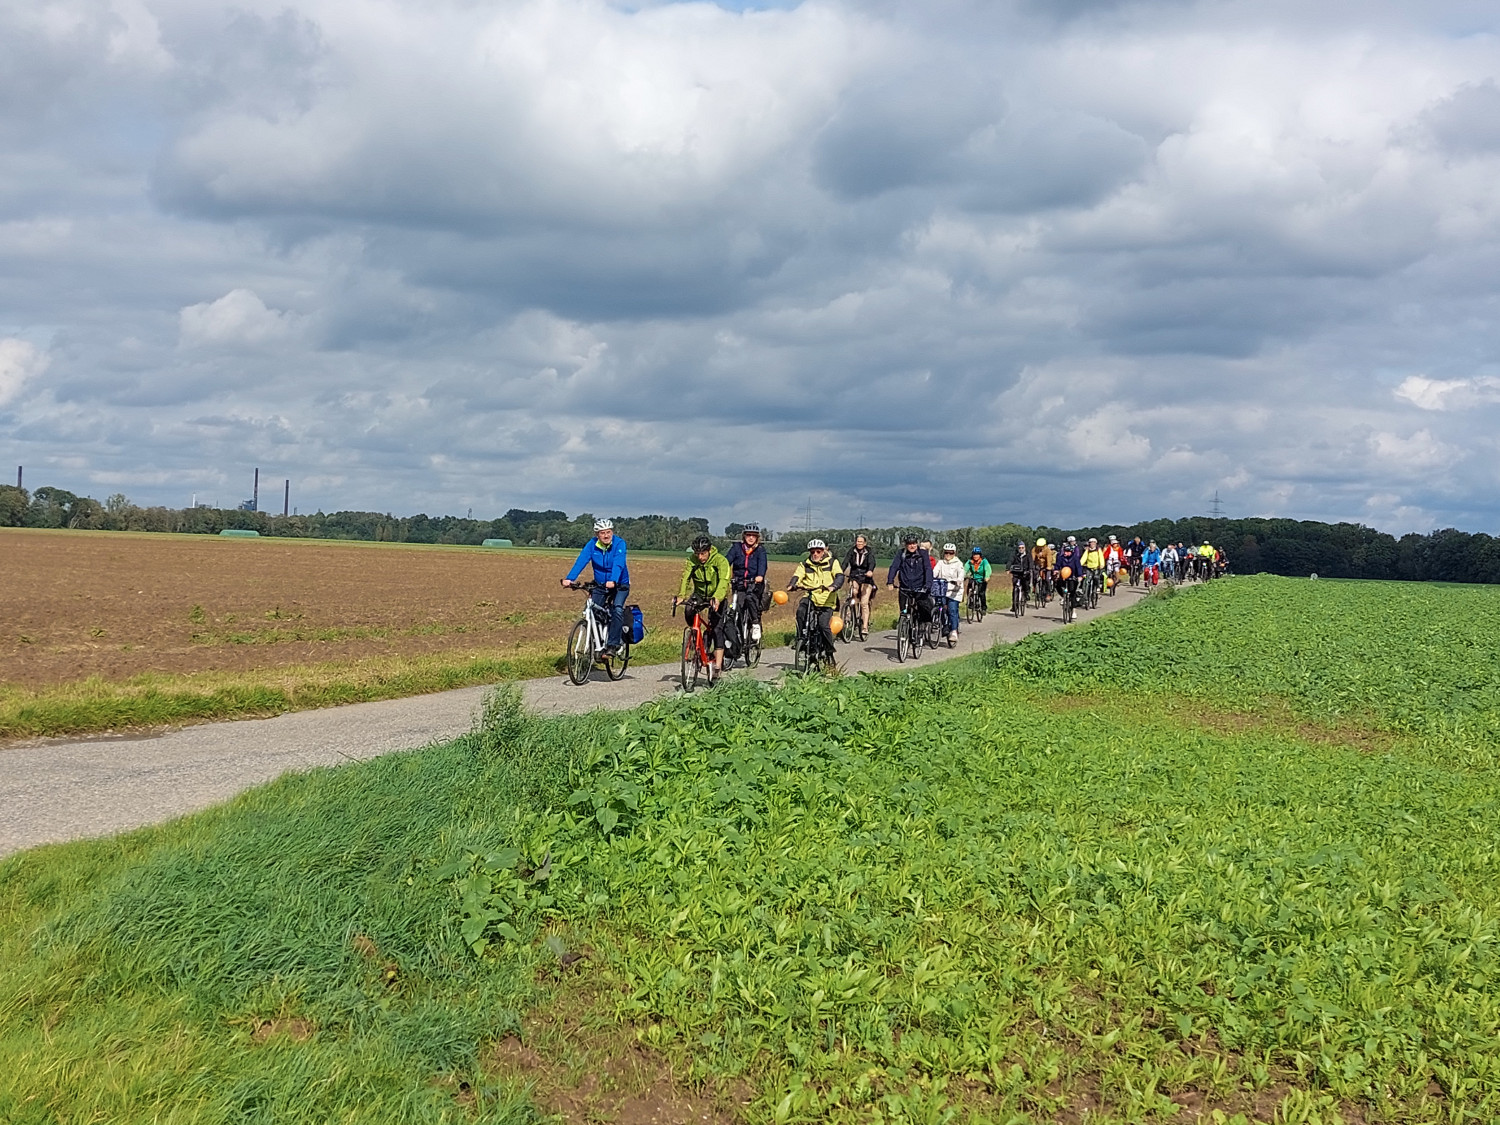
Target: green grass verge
<point>1017,887</point>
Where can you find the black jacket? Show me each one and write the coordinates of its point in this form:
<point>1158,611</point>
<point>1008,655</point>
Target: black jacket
<point>860,564</point>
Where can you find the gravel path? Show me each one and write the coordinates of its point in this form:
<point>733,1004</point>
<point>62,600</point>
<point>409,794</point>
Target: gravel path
<point>59,789</point>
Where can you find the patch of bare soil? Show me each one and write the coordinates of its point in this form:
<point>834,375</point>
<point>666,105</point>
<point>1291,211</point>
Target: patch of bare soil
<point>1274,718</point>
<point>583,1068</point>
<point>296,1029</point>
<point>77,604</point>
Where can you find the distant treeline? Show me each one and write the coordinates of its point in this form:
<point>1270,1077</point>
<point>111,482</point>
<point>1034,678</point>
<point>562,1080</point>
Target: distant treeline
<point>1290,547</point>
<point>56,507</point>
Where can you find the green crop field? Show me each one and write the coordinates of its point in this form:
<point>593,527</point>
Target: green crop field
<point>1230,855</point>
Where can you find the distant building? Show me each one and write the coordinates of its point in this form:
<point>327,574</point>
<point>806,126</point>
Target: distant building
<point>247,506</point>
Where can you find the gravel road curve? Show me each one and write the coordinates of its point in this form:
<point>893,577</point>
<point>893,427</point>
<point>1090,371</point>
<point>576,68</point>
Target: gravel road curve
<point>64,789</point>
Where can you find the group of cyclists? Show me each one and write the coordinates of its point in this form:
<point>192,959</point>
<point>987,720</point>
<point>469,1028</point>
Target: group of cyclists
<point>731,589</point>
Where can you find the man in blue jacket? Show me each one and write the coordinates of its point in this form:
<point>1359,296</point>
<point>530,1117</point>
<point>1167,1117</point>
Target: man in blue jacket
<point>911,573</point>
<point>605,552</point>
<point>747,563</point>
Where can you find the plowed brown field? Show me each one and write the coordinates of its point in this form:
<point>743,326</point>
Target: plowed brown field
<point>76,604</point>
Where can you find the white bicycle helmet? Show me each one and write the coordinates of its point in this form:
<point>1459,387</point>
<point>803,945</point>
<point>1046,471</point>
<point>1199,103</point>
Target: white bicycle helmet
<point>814,544</point>
<point>604,525</point>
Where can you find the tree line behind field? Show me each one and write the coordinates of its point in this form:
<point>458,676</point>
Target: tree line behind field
<point>1275,546</point>
<point>59,508</point>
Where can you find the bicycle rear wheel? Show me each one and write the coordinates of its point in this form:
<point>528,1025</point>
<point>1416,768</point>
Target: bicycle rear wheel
<point>614,666</point>
<point>580,654</point>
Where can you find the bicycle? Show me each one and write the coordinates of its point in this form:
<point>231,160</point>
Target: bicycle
<point>1066,595</point>
<point>587,639</point>
<point>1091,589</point>
<point>910,633</point>
<point>697,660</point>
<point>937,624</point>
<point>1137,567</point>
<point>1041,587</point>
<point>810,648</point>
<point>973,602</point>
<point>849,610</point>
<point>749,649</point>
<point>1017,595</point>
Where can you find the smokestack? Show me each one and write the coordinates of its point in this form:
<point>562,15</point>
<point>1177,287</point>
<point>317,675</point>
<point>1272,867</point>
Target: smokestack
<point>255,495</point>
<point>18,475</point>
<point>286,500</point>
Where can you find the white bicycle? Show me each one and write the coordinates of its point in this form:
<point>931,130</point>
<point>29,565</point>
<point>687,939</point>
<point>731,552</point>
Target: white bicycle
<point>587,640</point>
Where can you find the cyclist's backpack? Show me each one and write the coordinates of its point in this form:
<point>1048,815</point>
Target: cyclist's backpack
<point>636,623</point>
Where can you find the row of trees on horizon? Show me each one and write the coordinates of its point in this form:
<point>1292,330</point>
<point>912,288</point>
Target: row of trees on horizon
<point>1274,546</point>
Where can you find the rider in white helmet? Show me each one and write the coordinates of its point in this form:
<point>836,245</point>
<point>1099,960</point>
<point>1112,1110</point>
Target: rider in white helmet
<point>605,552</point>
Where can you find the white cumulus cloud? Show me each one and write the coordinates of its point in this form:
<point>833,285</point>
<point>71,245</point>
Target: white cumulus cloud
<point>1449,394</point>
<point>20,361</point>
<point>238,317</point>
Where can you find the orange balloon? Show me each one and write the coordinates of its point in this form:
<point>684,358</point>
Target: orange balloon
<point>1065,573</point>
<point>779,597</point>
<point>835,624</point>
<point>1109,583</point>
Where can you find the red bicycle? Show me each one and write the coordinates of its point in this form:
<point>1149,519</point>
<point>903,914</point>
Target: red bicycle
<point>697,637</point>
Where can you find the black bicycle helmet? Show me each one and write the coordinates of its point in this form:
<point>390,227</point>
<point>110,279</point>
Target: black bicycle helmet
<point>702,543</point>
<point>750,529</point>
<point>910,539</point>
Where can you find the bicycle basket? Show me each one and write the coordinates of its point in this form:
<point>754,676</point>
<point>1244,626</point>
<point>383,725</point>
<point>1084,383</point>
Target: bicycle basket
<point>636,622</point>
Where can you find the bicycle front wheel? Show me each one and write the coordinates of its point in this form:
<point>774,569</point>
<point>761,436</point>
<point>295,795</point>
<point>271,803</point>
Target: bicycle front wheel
<point>580,654</point>
<point>903,637</point>
<point>689,660</point>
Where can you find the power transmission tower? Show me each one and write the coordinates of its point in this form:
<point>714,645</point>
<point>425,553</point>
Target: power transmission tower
<point>1216,509</point>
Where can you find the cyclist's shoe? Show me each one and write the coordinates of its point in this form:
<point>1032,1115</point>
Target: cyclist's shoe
<point>610,650</point>
<point>755,634</point>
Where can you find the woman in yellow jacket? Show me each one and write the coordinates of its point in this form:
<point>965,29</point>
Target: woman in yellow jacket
<point>1093,563</point>
<point>820,576</point>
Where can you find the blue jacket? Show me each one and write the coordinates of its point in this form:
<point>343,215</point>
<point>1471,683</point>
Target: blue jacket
<point>1152,557</point>
<point>914,571</point>
<point>609,566</point>
<point>1070,557</point>
<point>746,568</point>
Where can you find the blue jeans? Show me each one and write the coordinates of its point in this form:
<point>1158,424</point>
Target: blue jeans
<point>952,615</point>
<point>613,603</point>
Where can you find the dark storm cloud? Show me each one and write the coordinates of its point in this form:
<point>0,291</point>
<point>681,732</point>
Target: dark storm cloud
<point>682,258</point>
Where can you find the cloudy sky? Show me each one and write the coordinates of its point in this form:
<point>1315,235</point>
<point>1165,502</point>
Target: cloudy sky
<point>957,261</point>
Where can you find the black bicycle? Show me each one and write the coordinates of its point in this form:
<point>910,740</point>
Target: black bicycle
<point>911,634</point>
<point>1041,587</point>
<point>810,648</point>
<point>973,602</point>
<point>748,648</point>
<point>1066,595</point>
<point>1090,592</point>
<point>937,624</point>
<point>1017,595</point>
